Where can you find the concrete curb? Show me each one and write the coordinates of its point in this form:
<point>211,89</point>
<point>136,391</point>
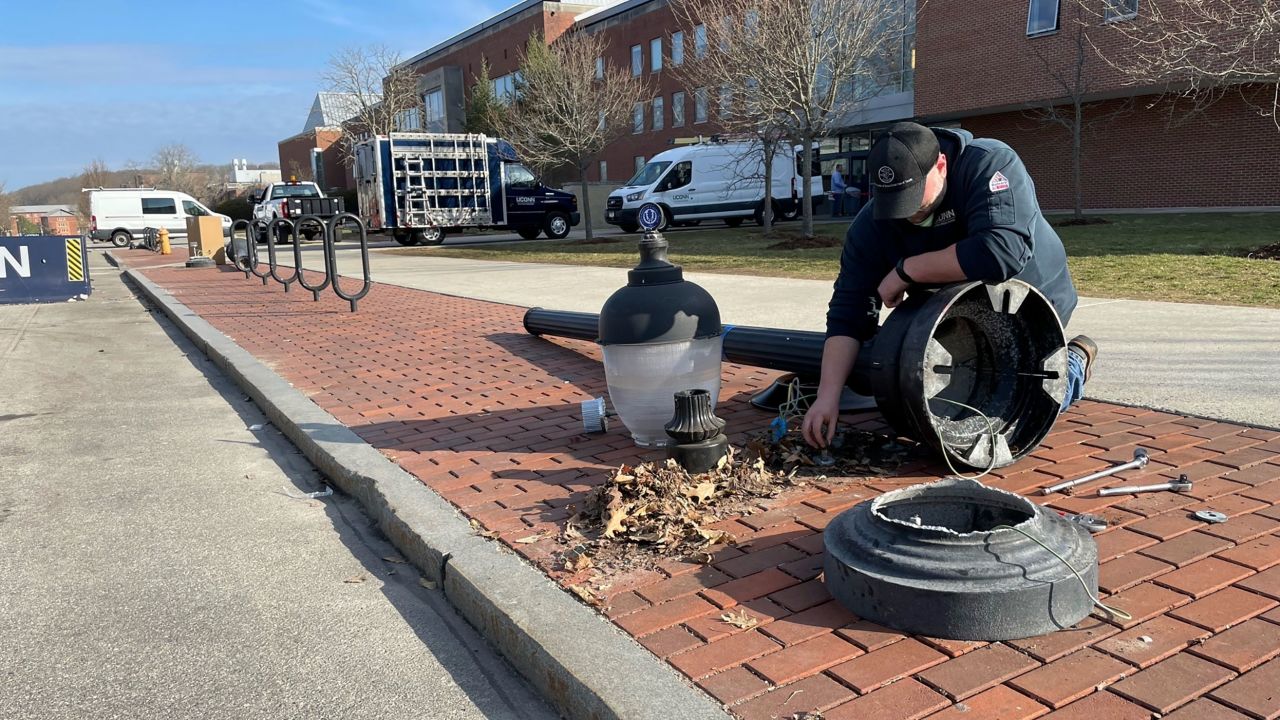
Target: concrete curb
<point>582,664</point>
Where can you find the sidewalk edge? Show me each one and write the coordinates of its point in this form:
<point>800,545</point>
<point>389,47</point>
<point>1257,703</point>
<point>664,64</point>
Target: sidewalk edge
<point>582,664</point>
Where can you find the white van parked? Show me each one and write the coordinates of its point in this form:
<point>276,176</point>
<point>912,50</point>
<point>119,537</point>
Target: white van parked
<point>121,214</point>
<point>712,179</point>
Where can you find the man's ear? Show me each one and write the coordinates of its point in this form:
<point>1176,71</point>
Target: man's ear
<point>941,165</point>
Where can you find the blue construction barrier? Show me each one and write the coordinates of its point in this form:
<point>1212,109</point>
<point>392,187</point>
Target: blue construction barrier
<point>43,268</point>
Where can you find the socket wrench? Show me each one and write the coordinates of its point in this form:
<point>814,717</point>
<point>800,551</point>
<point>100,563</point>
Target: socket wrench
<point>1140,460</point>
<point>1182,484</point>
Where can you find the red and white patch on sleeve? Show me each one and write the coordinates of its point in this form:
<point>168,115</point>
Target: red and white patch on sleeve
<point>998,182</point>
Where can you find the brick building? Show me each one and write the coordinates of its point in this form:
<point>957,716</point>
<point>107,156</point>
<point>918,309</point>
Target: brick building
<point>307,155</point>
<point>985,67</point>
<point>45,219</point>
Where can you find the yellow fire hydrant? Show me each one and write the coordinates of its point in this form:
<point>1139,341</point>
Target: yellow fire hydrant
<point>164,242</point>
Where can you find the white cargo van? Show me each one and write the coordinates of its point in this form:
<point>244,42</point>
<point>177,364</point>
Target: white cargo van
<point>711,179</point>
<point>121,214</point>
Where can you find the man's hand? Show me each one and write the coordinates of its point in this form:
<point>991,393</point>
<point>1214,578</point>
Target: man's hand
<point>892,289</point>
<point>820,421</point>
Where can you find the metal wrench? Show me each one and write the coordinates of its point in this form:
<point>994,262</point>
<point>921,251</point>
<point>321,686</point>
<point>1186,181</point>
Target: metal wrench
<point>1140,460</point>
<point>1182,484</point>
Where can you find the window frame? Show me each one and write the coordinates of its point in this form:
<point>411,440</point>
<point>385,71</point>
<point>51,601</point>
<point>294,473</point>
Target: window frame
<point>677,48</point>
<point>701,105</point>
<point>658,108</point>
<point>677,108</point>
<point>637,60</point>
<point>1109,8</point>
<point>599,68</point>
<point>603,169</point>
<point>637,118</point>
<point>655,55</point>
<point>699,41</point>
<point>1057,18</point>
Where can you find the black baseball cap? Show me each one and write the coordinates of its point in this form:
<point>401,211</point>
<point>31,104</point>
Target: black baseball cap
<point>899,161</point>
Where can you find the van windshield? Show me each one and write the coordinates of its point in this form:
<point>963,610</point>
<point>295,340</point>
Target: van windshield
<point>650,173</point>
<point>305,190</point>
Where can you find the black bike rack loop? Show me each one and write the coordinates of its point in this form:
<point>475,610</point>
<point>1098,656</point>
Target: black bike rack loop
<point>331,239</point>
<point>243,263</point>
<point>271,252</point>
<point>253,261</point>
<point>326,240</point>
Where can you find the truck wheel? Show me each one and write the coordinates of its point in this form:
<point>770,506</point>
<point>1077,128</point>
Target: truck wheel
<point>733,222</point>
<point>433,235</point>
<point>791,212</point>
<point>528,232</point>
<point>402,238</point>
<point>759,214</point>
<point>121,238</point>
<point>556,225</point>
<point>629,228</point>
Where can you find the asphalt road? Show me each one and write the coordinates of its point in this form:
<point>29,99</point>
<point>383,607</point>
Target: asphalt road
<point>154,562</point>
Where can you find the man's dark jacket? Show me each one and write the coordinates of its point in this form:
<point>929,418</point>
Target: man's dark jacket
<point>989,212</point>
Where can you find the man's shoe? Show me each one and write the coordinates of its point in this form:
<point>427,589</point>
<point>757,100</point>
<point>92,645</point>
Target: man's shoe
<point>1084,345</point>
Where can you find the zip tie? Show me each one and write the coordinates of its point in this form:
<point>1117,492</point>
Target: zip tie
<point>326,492</point>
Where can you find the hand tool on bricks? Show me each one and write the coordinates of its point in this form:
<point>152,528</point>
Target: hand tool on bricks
<point>1182,484</point>
<point>1140,460</point>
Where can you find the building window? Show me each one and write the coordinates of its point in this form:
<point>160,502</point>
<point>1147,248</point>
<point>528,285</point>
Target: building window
<point>599,68</point>
<point>639,161</point>
<point>1042,17</point>
<point>700,41</point>
<point>637,60</point>
<point>433,111</point>
<point>637,119</point>
<point>504,88</point>
<point>600,124</point>
<point>408,120</point>
<point>726,101</point>
<point>659,119</point>
<point>677,48</point>
<point>677,109</point>
<point>1120,10</point>
<point>655,54</point>
<point>604,170</point>
<point>700,105</point>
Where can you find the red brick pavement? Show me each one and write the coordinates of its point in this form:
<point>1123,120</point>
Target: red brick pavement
<point>455,392</point>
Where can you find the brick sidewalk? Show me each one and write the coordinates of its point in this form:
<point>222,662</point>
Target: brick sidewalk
<point>459,395</point>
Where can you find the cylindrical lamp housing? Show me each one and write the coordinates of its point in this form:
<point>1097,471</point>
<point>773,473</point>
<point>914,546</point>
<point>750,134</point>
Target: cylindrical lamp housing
<point>659,334</point>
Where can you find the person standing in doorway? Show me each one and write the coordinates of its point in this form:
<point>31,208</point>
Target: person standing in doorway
<point>837,191</point>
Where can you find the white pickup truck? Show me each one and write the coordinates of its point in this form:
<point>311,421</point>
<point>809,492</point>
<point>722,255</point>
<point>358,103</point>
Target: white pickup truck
<point>292,200</point>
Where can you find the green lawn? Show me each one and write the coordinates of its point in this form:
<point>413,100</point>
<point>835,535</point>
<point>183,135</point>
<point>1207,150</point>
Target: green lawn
<point>1184,258</point>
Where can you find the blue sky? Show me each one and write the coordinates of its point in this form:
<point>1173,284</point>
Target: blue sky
<point>116,79</point>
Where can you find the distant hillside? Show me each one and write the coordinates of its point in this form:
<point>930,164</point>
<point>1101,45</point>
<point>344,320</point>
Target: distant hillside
<point>67,191</point>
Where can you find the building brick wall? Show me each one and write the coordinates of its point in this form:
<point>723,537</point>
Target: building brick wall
<point>1149,157</point>
<point>295,157</point>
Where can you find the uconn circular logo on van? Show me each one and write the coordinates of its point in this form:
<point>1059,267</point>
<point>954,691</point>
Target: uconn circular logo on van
<point>650,217</point>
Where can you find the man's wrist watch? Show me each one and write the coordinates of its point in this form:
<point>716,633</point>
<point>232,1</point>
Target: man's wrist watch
<point>902,272</point>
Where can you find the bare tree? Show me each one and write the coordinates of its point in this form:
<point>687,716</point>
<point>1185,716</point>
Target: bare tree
<point>1072,74</point>
<point>377,88</point>
<point>95,174</point>
<point>563,113</point>
<point>175,165</point>
<point>484,111</point>
<point>807,64</point>
<point>1201,49</point>
<point>4,210</point>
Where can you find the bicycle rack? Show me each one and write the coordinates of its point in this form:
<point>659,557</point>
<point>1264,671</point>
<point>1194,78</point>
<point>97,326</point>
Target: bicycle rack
<point>271,252</point>
<point>331,235</point>
<point>326,240</point>
<point>255,261</point>
<point>249,259</point>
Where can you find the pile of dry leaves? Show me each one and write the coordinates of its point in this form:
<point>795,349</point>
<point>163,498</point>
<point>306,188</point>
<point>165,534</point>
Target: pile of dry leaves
<point>657,510</point>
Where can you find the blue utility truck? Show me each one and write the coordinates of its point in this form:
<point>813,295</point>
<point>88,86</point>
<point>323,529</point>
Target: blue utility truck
<point>421,186</point>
